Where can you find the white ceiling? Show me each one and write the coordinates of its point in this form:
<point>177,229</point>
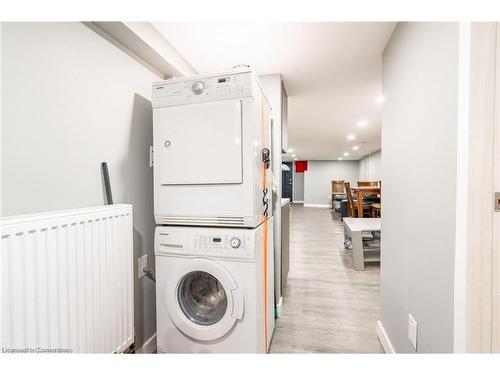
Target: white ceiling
<point>332,73</point>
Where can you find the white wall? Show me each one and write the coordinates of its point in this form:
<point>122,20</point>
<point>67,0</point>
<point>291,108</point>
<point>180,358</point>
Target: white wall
<point>319,175</point>
<point>419,140</point>
<point>370,167</point>
<point>298,186</point>
<point>71,100</point>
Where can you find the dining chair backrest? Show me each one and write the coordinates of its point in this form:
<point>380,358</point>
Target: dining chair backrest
<point>367,183</point>
<point>338,187</point>
<point>350,200</point>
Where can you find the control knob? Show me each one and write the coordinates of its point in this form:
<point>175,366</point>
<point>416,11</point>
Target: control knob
<point>198,87</point>
<point>235,242</point>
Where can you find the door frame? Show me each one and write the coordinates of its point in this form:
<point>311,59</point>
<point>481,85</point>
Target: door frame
<point>478,132</point>
<point>495,310</point>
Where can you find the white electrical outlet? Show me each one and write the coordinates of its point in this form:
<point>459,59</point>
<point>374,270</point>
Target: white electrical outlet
<point>412,331</point>
<point>142,263</point>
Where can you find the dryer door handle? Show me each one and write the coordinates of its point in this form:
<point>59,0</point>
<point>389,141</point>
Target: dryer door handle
<point>238,303</point>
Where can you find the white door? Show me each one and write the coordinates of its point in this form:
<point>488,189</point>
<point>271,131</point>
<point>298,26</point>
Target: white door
<point>198,143</point>
<point>203,299</point>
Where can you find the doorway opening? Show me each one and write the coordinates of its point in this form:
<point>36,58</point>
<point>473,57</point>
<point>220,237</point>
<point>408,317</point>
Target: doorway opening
<point>287,180</point>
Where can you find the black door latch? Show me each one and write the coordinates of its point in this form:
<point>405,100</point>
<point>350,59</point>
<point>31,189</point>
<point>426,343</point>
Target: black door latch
<point>266,157</point>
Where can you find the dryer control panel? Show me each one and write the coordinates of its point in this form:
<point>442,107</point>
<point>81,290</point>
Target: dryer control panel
<point>201,89</point>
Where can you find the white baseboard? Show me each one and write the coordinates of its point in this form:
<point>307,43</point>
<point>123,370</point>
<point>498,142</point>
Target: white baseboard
<point>384,339</point>
<point>298,202</point>
<point>279,307</point>
<point>148,347</point>
<point>316,205</point>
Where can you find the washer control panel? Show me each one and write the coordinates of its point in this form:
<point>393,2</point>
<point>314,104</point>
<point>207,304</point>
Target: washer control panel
<point>210,242</point>
<point>202,89</point>
<point>221,244</point>
<point>226,245</point>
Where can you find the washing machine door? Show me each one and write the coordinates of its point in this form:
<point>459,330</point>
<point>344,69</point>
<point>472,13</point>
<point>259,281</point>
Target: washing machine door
<point>203,299</point>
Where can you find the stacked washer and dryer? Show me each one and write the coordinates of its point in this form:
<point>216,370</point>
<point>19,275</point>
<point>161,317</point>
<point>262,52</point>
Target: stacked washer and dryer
<point>212,204</point>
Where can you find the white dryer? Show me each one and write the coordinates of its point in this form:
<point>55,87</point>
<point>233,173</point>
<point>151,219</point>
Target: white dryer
<point>214,289</point>
<point>210,136</point>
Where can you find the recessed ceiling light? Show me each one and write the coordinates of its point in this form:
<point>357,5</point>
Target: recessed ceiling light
<point>294,155</point>
<point>351,136</point>
<point>290,150</point>
<point>355,148</point>
<point>362,123</point>
<point>340,159</point>
<point>346,154</point>
<point>380,99</point>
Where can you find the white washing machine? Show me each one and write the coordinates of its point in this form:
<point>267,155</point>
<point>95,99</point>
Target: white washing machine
<point>210,135</point>
<point>214,289</point>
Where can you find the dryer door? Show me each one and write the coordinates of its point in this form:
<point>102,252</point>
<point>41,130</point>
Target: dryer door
<point>198,143</point>
<point>203,300</point>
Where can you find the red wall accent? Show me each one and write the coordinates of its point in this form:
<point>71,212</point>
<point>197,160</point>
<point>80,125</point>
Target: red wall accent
<point>300,166</point>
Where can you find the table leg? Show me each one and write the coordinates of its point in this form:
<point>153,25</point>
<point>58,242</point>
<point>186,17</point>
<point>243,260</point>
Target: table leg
<point>357,251</point>
<point>360,204</point>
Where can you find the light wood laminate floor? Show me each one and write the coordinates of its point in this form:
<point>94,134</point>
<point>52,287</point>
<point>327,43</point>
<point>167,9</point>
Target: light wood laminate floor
<point>328,306</point>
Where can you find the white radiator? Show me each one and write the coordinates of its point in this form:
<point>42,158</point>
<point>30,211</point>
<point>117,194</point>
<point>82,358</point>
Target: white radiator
<point>67,280</point>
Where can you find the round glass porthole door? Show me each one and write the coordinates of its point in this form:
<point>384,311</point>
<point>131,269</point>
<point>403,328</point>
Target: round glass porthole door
<point>202,298</point>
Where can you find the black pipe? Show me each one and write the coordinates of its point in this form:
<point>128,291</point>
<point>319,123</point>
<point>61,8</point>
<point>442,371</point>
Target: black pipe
<point>107,185</point>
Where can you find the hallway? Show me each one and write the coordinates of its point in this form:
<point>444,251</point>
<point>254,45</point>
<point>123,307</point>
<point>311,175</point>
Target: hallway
<point>328,306</point>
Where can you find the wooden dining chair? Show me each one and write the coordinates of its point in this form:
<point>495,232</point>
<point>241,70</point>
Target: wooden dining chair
<point>353,207</point>
<point>368,183</point>
<point>337,190</point>
<point>371,198</point>
<point>376,206</point>
<point>375,210</point>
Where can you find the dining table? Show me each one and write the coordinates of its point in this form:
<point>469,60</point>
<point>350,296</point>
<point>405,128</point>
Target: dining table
<point>363,191</point>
